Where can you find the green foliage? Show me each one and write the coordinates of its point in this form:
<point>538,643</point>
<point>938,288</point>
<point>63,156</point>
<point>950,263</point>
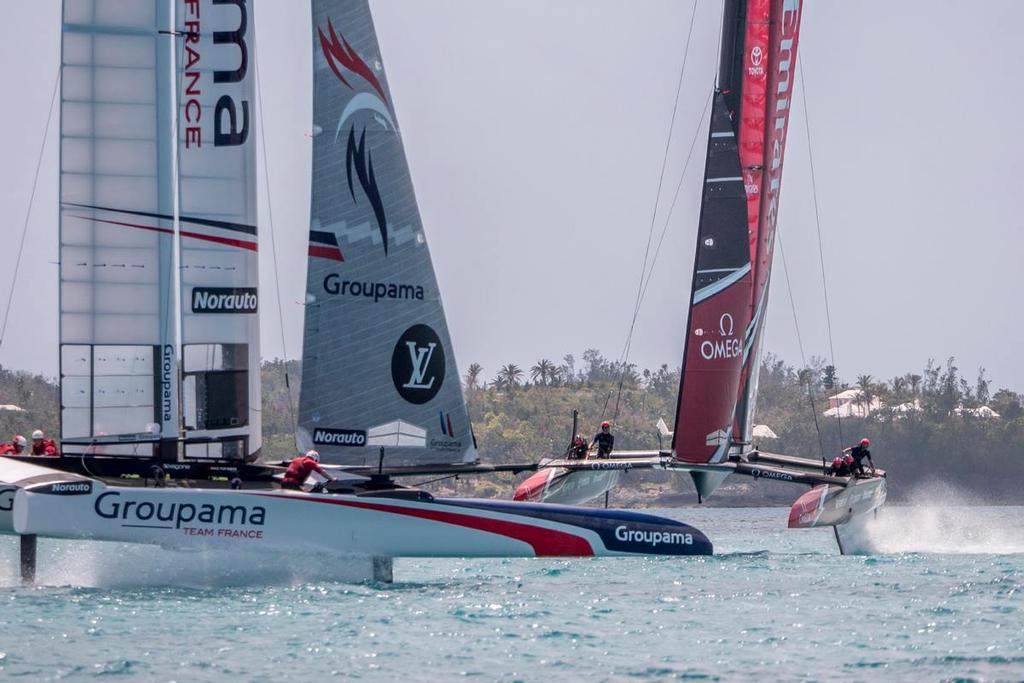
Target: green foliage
<point>526,417</point>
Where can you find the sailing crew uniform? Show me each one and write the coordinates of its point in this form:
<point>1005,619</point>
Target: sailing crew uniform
<point>859,453</point>
<point>604,441</point>
<point>44,447</point>
<point>299,470</point>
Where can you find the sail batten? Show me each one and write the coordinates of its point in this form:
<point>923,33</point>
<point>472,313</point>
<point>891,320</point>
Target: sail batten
<point>378,366</point>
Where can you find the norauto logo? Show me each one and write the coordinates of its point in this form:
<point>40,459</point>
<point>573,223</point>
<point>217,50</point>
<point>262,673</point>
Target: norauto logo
<point>224,300</point>
<point>339,437</point>
<point>652,538</point>
<point>173,514</point>
<point>72,488</point>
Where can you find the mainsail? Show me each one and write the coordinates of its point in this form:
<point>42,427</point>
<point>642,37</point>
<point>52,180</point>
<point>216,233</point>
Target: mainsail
<point>736,232</point>
<point>217,222</point>
<point>118,355</point>
<point>378,366</point>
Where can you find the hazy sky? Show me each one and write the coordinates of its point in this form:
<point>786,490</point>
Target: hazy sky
<point>535,131</point>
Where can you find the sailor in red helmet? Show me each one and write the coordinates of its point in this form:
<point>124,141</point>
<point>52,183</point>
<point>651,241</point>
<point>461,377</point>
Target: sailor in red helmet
<point>300,468</point>
<point>17,446</point>
<point>839,468</point>
<point>604,440</point>
<point>857,455</point>
<point>41,445</point>
<point>577,449</point>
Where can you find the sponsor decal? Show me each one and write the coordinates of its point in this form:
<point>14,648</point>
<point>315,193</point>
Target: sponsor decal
<point>418,364</point>
<point>652,538</point>
<point>65,488</point>
<point>7,498</point>
<point>770,474</point>
<point>224,300</point>
<point>446,424</point>
<point>167,383</point>
<point>375,291</point>
<point>346,63</point>
<point>233,520</point>
<point>727,346</point>
<point>229,49</point>
<point>339,437</point>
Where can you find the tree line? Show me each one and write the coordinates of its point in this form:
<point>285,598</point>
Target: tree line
<point>524,414</point>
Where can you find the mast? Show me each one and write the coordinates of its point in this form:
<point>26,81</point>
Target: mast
<point>378,369</point>
<point>118,322</point>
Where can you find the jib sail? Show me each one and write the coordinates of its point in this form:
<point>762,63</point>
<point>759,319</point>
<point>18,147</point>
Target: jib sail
<point>220,360</point>
<point>378,368</point>
<point>118,357</point>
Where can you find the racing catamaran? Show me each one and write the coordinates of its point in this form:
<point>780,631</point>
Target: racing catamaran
<point>159,325</point>
<point>731,277</point>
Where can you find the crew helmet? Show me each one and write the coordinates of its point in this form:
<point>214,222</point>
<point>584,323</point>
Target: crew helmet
<point>313,454</point>
<point>865,442</point>
<point>19,440</point>
<point>606,423</point>
<point>37,434</point>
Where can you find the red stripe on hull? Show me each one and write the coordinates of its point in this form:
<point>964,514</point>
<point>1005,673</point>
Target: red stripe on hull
<point>545,542</point>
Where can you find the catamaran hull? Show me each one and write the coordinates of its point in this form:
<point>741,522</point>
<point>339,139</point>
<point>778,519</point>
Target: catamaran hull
<point>829,505</point>
<point>280,521</point>
<point>567,486</point>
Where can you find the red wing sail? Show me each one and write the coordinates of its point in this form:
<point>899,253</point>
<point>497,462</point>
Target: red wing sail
<point>720,304</point>
<point>781,72</point>
<point>737,227</point>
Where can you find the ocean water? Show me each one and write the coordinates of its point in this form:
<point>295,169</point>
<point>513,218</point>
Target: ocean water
<point>943,601</point>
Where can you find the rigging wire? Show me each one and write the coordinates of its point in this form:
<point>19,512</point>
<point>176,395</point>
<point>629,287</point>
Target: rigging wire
<point>624,355</point>
<point>817,223</point>
<point>800,344</point>
<point>661,238</point>
<point>273,250</point>
<point>28,210</point>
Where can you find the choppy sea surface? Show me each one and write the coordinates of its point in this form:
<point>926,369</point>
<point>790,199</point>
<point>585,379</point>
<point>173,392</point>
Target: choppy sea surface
<point>943,601</point>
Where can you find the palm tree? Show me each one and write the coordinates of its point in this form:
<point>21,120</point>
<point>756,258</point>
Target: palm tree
<point>829,377</point>
<point>543,371</point>
<point>473,376</point>
<point>866,392</point>
<point>509,376</point>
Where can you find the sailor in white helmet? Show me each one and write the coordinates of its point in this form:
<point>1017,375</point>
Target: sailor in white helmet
<point>300,468</point>
<point>41,445</point>
<point>17,446</point>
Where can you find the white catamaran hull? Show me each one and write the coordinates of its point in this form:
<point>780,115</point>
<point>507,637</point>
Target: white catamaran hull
<point>828,505</point>
<point>378,526</point>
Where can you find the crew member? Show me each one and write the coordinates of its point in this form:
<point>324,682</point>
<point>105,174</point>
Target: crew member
<point>839,468</point>
<point>17,446</point>
<point>604,440</point>
<point>41,445</point>
<point>578,448</point>
<point>857,455</point>
<point>300,468</point>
